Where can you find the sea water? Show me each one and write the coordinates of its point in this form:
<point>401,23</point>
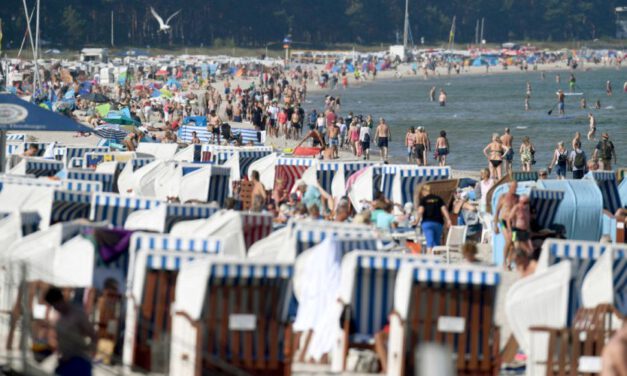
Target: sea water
<point>479,105</point>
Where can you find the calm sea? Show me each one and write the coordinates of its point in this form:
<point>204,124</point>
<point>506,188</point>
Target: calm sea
<point>479,105</point>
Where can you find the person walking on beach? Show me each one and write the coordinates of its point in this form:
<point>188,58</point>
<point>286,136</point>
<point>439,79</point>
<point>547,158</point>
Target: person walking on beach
<point>72,329</point>
<point>410,140</point>
<point>604,152</point>
<point>364,140</point>
<point>353,136</point>
<point>494,153</point>
<point>560,160</point>
<point>501,223</point>
<point>578,161</point>
<point>560,102</point>
<point>432,216</point>
<point>526,154</point>
<point>507,140</point>
<point>592,126</point>
<point>432,94</point>
<point>422,146</point>
<point>442,148</point>
<point>334,139</point>
<point>519,221</point>
<point>383,137</point>
<point>442,98</point>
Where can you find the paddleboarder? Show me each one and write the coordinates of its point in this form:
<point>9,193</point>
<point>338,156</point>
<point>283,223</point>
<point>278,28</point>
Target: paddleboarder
<point>560,102</point>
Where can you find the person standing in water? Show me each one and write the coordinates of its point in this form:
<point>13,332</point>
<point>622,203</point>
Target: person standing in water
<point>410,141</point>
<point>442,98</point>
<point>592,126</point>
<point>572,82</point>
<point>422,146</point>
<point>432,94</point>
<point>442,148</point>
<point>608,88</point>
<point>560,102</point>
<point>557,78</point>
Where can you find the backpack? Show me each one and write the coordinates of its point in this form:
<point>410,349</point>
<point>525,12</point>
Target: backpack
<point>580,161</point>
<point>606,149</point>
<point>562,159</point>
<point>367,138</point>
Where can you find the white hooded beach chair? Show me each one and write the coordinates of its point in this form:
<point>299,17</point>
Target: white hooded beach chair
<point>107,180</point>
<point>448,305</point>
<point>230,316</point>
<point>115,209</point>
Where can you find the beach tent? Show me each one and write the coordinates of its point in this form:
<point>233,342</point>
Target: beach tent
<point>581,209</point>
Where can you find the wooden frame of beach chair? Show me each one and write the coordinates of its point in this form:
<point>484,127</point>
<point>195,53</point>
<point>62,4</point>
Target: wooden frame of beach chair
<point>243,315</point>
<point>576,350</point>
<point>444,188</point>
<point>246,194</point>
<point>448,305</point>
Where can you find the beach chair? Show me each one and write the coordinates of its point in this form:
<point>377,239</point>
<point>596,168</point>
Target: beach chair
<point>366,299</point>
<point>406,182</point>
<point>68,153</point>
<point>107,180</point>
<point>37,167</point>
<point>524,176</point>
<point>114,208</point>
<point>207,184</point>
<point>444,188</point>
<point>289,170</point>
<point>69,205</point>
<point>231,316</point>
<point>455,238</point>
<point>151,290</point>
<point>448,305</point>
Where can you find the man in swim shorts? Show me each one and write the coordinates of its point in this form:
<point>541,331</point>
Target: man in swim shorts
<point>501,221</point>
<point>382,134</point>
<point>507,141</point>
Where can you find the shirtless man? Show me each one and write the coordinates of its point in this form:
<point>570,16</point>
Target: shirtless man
<point>422,146</point>
<point>383,137</point>
<point>592,125</point>
<point>432,94</point>
<point>519,222</point>
<point>213,126</point>
<point>295,122</point>
<point>334,139</point>
<point>258,193</point>
<point>508,157</point>
<point>501,222</point>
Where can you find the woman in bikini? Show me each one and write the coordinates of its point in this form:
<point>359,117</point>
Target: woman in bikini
<point>494,153</point>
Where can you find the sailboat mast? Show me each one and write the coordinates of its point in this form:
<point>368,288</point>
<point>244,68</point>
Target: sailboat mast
<point>451,37</point>
<point>406,26</point>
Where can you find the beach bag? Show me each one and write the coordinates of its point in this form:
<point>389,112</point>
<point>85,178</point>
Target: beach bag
<point>580,161</point>
<point>362,361</point>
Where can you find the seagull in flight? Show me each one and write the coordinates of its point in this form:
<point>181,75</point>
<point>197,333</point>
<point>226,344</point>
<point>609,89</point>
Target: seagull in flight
<point>163,26</point>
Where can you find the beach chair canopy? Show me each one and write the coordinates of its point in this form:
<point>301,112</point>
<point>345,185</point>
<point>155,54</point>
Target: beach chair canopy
<point>207,184</point>
<point>164,152</point>
<point>581,209</point>
<point>115,209</point>
<point>606,180</point>
<point>15,198</point>
<point>606,281</point>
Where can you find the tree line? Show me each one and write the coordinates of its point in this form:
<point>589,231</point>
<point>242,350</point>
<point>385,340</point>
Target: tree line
<point>254,23</point>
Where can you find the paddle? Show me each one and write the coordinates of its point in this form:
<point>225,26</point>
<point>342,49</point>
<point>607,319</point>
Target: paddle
<point>551,110</point>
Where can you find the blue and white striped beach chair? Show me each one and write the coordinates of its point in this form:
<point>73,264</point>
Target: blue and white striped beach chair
<point>404,180</point>
<point>16,137</point>
<point>107,180</point>
<point>582,256</point>
<point>69,205</point>
<point>152,284</point>
<point>234,312</point>
<point>114,208</point>
<point>219,185</point>
<point>41,167</point>
<point>367,296</point>
<point>452,305</point>
<point>184,212</point>
<point>247,134</point>
<point>29,220</point>
<point>68,153</point>
<point>24,180</point>
<point>606,180</point>
<point>308,234</point>
<point>81,185</point>
<point>544,204</point>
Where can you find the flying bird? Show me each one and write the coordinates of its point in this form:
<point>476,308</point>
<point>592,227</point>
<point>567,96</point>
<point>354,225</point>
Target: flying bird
<point>163,26</point>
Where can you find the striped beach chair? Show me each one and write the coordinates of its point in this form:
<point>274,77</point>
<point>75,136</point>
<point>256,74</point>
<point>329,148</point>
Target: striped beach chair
<point>448,305</point>
<point>305,234</point>
<point>107,180</point>
<point>247,134</point>
<point>114,208</point>
<point>230,316</point>
<point>87,186</point>
<point>16,137</point>
<point>152,293</point>
<point>24,180</point>
<point>208,183</point>
<point>41,167</point>
<point>68,153</point>
<point>255,226</point>
<point>404,180</point>
<point>219,185</point>
<point>69,205</point>
<point>184,212</point>
<point>544,203</point>
<point>15,147</point>
<point>582,256</point>
<point>366,298</point>
<point>247,157</point>
<point>29,221</point>
<point>291,169</point>
<point>524,176</point>
<point>606,180</point>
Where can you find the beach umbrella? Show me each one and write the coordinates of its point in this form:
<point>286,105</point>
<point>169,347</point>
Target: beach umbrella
<point>111,132</point>
<point>96,97</point>
<point>19,115</point>
<point>103,109</point>
<point>121,118</point>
